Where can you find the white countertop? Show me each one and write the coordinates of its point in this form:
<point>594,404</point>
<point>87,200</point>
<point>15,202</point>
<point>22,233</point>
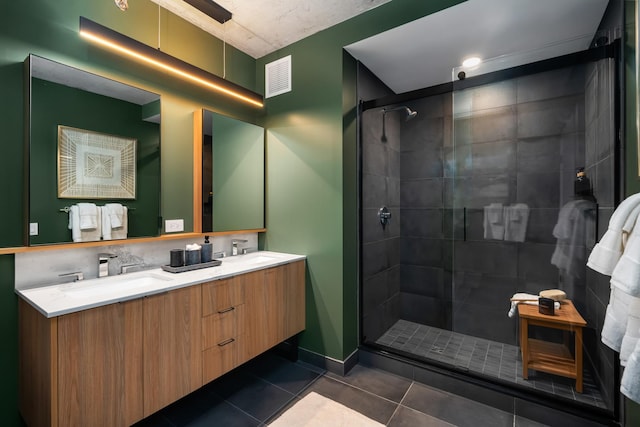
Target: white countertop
<point>56,300</point>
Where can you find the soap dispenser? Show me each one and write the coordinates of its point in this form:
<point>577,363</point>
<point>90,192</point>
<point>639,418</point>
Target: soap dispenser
<point>206,250</point>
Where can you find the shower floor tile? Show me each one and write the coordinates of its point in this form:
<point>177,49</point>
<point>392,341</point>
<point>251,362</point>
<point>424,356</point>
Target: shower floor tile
<point>485,357</point>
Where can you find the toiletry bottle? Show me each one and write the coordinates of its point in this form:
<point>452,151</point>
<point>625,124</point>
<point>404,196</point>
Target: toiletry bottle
<point>206,250</point>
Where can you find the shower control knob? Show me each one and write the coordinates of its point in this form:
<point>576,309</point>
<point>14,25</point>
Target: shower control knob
<point>384,215</point>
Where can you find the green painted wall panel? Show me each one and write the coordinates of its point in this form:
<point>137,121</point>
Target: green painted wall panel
<point>310,195</point>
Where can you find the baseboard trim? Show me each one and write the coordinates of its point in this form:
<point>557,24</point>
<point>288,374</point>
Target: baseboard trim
<point>335,366</point>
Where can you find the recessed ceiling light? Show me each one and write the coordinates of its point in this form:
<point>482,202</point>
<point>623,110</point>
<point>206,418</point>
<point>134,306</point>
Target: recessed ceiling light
<point>471,62</point>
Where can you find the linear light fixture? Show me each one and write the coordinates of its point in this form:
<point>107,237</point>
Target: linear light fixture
<point>212,9</point>
<point>134,49</point>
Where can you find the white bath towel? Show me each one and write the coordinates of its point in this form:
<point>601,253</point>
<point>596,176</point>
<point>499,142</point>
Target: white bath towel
<point>632,332</point>
<point>494,221</point>
<point>109,232</point>
<point>575,226</point>
<point>615,321</point>
<point>530,299</point>
<point>88,216</point>
<point>116,214</point>
<point>608,250</point>
<point>630,383</point>
<point>626,274</point>
<point>516,218</point>
<point>79,235</point>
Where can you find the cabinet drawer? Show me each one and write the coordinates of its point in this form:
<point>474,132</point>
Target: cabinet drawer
<point>221,295</point>
<point>220,327</point>
<point>221,358</point>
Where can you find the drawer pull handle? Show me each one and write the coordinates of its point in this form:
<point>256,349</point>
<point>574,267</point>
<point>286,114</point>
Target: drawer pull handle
<point>223,343</point>
<point>226,310</point>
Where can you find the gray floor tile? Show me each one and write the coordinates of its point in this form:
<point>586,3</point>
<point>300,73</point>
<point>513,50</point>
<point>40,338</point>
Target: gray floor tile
<point>375,381</point>
<point>454,409</point>
<point>407,417</point>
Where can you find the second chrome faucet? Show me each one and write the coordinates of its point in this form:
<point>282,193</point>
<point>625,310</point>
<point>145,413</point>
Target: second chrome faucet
<point>103,263</point>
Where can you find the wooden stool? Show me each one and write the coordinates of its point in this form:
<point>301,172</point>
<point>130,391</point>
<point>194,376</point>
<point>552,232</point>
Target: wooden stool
<point>547,356</point>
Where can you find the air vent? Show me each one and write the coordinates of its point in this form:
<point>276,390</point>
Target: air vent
<point>277,75</point>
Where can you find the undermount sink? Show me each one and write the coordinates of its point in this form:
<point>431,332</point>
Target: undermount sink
<point>258,259</point>
<point>108,286</point>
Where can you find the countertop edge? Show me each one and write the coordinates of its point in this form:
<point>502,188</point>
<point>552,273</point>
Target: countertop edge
<point>99,302</point>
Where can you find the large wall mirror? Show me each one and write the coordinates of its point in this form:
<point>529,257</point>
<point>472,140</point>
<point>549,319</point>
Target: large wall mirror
<point>232,174</point>
<point>90,140</point>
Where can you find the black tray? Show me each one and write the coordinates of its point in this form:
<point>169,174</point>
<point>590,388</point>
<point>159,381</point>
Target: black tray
<point>191,267</point>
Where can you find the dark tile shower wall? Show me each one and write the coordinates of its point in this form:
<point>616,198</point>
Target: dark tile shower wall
<point>425,279</point>
<point>380,245</point>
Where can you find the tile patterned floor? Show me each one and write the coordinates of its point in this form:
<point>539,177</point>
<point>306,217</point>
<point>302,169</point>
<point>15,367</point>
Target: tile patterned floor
<point>257,392</point>
<point>485,357</point>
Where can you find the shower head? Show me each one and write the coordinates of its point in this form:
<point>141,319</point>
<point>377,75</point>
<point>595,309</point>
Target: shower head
<point>410,114</point>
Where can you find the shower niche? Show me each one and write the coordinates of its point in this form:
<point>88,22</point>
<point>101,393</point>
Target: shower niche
<point>481,182</point>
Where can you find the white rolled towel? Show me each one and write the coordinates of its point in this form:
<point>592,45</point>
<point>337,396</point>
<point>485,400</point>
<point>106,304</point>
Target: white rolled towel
<point>632,333</point>
<point>608,250</point>
<point>524,298</point>
<point>630,383</point>
<point>615,321</point>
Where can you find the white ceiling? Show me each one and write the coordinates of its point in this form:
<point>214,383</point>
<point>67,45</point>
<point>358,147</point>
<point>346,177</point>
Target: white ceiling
<point>421,53</point>
<point>506,32</point>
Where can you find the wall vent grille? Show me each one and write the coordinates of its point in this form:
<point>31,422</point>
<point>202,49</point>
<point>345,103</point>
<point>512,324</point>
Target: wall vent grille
<point>277,76</point>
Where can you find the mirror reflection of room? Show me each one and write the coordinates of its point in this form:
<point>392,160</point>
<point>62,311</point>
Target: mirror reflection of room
<point>95,176</point>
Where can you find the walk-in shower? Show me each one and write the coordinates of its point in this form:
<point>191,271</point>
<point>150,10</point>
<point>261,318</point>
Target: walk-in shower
<point>481,197</point>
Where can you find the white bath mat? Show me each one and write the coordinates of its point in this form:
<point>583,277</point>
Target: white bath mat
<point>315,410</point>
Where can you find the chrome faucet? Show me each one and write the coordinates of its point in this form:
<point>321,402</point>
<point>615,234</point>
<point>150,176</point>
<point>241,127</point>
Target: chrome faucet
<point>234,245</point>
<point>103,263</point>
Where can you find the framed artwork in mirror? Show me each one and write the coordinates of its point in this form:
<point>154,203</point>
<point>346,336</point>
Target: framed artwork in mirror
<point>94,165</point>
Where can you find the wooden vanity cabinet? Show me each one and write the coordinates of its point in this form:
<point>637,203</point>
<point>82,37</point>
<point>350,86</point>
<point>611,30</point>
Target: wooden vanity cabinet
<point>116,364</point>
<point>81,369</point>
<point>275,299</point>
<point>223,316</point>
<point>172,343</point>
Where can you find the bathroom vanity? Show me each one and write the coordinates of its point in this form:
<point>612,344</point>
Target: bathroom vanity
<point>96,357</point>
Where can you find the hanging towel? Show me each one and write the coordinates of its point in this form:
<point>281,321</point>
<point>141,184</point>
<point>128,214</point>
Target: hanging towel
<point>626,274</point>
<point>116,214</point>
<point>79,235</point>
<point>632,333</point>
<point>109,232</point>
<point>88,216</point>
<point>575,227</point>
<point>615,321</point>
<point>607,252</point>
<point>630,383</point>
<point>494,221</point>
<point>516,220</point>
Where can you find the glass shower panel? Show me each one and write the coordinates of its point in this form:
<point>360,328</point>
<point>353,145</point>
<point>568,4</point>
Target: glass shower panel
<point>517,145</point>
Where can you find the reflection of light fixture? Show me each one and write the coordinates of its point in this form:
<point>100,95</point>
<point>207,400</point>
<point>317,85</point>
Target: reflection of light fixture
<point>122,44</point>
<point>471,62</point>
<point>122,4</point>
<point>212,9</point>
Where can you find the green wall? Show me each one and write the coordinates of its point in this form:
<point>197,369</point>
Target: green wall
<point>311,170</point>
